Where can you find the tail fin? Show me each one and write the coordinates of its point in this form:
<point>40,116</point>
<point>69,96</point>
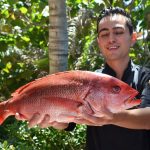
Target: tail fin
<point>3,112</point>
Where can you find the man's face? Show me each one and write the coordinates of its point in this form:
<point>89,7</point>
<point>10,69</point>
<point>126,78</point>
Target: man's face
<point>114,38</point>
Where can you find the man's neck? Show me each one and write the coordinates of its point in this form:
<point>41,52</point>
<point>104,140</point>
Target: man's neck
<point>119,67</point>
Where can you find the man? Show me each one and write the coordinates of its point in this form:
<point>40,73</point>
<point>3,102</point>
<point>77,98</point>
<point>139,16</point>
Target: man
<point>129,129</point>
<point>115,37</point>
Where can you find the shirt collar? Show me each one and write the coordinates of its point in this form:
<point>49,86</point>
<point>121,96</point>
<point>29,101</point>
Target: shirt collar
<point>110,71</point>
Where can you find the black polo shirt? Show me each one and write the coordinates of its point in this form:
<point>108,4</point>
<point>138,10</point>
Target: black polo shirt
<point>111,137</point>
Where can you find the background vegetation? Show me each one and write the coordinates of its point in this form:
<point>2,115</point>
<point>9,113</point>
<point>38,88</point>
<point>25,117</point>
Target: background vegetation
<point>24,56</point>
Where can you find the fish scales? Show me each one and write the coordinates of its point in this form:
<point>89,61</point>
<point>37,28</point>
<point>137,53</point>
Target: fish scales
<point>58,85</point>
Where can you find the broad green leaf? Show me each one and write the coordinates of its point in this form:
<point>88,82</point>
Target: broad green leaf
<point>132,55</point>
<point>21,64</point>
<point>23,10</point>
<point>79,1</point>
<point>27,39</point>
<point>13,16</point>
<point>5,12</point>
<point>9,65</point>
<point>6,70</point>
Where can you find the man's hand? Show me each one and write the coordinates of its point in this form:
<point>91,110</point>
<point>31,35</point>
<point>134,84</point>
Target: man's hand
<point>44,123</point>
<point>131,119</point>
<point>106,117</point>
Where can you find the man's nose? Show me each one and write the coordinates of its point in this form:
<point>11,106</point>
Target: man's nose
<point>112,38</point>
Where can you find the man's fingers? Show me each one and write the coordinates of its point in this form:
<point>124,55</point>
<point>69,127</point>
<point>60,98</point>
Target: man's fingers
<point>59,125</point>
<point>83,121</point>
<point>34,120</point>
<point>45,122</point>
<point>90,118</point>
<point>86,118</point>
<point>19,116</point>
<point>37,119</point>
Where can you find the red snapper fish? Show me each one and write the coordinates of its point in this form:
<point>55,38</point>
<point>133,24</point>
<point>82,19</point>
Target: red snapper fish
<point>60,95</point>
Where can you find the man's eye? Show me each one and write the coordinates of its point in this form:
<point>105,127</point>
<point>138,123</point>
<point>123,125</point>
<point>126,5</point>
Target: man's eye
<point>104,35</point>
<point>119,32</point>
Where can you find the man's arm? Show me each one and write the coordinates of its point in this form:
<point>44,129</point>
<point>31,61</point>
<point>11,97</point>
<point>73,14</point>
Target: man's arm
<point>132,119</point>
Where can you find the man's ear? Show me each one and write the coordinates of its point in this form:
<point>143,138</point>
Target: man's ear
<point>133,38</point>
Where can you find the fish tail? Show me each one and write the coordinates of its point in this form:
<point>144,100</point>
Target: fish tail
<point>3,112</point>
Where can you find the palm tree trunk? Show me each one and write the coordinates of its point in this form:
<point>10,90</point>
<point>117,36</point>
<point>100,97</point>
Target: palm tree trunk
<point>58,36</point>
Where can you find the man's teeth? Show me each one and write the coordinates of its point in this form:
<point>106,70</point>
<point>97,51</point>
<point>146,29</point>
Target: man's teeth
<point>113,47</point>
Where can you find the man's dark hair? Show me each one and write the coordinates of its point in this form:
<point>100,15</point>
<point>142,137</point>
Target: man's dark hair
<point>115,10</point>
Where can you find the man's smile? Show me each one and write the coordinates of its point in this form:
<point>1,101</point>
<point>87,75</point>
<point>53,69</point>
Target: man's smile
<point>112,47</point>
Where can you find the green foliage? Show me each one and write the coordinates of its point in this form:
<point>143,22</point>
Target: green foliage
<point>23,40</point>
<point>24,57</point>
<point>20,137</point>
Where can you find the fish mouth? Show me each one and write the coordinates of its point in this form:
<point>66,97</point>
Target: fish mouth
<point>131,98</point>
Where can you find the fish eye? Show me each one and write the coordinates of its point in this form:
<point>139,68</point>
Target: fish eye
<point>116,89</point>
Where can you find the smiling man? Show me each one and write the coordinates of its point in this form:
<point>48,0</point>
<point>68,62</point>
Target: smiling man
<point>129,129</point>
<point>115,39</point>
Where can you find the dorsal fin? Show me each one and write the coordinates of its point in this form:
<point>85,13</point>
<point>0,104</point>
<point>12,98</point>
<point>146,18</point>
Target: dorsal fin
<point>19,90</point>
